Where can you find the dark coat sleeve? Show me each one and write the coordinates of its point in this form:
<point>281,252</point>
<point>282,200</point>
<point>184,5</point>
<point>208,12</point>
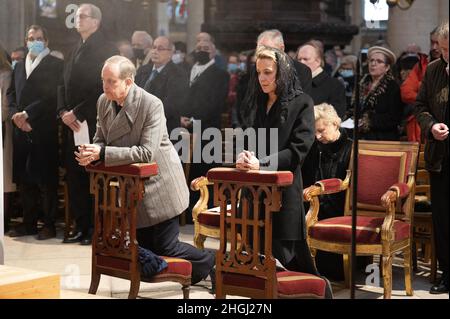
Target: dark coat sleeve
<point>422,109</point>
<point>389,109</point>
<point>337,97</point>
<point>299,139</point>
<point>304,75</point>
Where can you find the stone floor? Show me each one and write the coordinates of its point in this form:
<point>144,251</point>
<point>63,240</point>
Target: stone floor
<point>73,263</point>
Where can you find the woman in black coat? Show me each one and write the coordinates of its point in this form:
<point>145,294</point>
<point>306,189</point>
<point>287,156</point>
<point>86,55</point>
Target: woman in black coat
<point>275,100</point>
<point>329,157</point>
<point>382,106</point>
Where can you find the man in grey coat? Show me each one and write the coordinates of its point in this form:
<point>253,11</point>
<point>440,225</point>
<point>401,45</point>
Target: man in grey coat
<point>131,128</point>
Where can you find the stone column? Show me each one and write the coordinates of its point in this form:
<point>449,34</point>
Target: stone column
<point>163,20</point>
<point>13,21</point>
<point>195,20</point>
<point>415,24</point>
<point>355,10</point>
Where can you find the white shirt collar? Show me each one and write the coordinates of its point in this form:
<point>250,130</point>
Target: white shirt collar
<point>30,65</point>
<point>198,69</point>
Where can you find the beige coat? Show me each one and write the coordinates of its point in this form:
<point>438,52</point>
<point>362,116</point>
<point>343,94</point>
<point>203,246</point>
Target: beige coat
<point>138,134</point>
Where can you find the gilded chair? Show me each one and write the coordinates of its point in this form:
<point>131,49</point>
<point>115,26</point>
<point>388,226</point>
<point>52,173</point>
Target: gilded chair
<point>207,219</point>
<point>117,191</point>
<point>245,265</point>
<point>385,206</point>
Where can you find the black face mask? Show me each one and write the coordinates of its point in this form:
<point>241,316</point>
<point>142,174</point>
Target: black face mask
<point>139,53</point>
<point>202,57</point>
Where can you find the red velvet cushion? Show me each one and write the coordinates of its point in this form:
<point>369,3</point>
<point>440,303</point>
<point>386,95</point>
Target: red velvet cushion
<point>331,185</point>
<point>177,266</point>
<point>289,283</point>
<point>209,218</point>
<point>375,175</point>
<point>368,230</point>
<point>280,178</point>
<point>142,170</point>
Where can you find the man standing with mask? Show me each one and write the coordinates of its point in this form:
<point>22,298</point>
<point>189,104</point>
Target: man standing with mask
<point>141,42</point>
<point>32,99</point>
<point>208,90</point>
<point>77,102</point>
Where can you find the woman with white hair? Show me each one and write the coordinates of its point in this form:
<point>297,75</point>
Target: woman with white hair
<point>381,103</point>
<point>329,157</point>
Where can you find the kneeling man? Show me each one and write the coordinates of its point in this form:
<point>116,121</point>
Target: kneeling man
<point>131,128</point>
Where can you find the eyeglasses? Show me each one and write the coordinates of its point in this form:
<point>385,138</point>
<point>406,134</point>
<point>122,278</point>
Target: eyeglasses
<point>377,61</point>
<point>160,49</point>
<point>83,16</point>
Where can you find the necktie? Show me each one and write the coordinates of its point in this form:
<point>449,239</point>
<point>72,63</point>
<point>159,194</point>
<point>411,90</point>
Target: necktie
<point>150,79</point>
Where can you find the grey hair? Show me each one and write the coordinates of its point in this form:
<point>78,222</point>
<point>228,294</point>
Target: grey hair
<point>126,67</point>
<point>442,31</point>
<point>96,13</point>
<point>171,46</point>
<point>274,35</point>
<point>327,113</point>
<point>147,37</point>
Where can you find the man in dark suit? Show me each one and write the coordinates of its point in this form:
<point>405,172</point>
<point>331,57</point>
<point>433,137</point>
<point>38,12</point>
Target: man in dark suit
<point>205,102</point>
<point>325,89</point>
<point>77,102</point>
<point>32,99</point>
<point>274,39</point>
<point>165,80</point>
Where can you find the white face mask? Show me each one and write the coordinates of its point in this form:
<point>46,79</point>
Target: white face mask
<point>177,58</point>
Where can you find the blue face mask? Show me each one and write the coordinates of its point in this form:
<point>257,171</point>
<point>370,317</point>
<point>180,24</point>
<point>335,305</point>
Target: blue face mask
<point>13,64</point>
<point>242,66</point>
<point>346,73</point>
<point>233,68</point>
<point>35,47</point>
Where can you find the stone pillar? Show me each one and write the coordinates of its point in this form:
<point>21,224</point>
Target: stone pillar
<point>415,24</point>
<point>12,23</point>
<point>196,17</point>
<point>163,20</point>
<point>357,19</point>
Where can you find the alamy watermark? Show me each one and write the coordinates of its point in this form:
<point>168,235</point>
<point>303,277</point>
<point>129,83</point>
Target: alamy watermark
<point>223,146</point>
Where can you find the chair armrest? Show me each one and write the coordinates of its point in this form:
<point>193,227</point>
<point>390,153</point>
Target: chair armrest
<point>140,170</point>
<point>252,177</point>
<point>327,186</point>
<point>389,201</point>
<point>200,184</point>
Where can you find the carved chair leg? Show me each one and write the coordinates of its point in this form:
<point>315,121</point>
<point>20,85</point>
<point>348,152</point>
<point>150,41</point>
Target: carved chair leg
<point>408,270</point>
<point>387,276</point>
<point>219,290</point>
<point>199,241</point>
<point>134,289</point>
<point>346,260</point>
<point>186,289</point>
<point>95,281</point>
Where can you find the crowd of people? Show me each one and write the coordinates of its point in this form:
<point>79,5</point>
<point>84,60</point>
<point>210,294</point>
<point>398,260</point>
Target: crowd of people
<point>131,97</point>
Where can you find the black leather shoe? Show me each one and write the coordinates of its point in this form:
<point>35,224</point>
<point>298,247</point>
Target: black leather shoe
<point>23,230</point>
<point>212,275</point>
<point>76,238</point>
<point>46,232</point>
<point>86,240</point>
<point>440,288</point>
